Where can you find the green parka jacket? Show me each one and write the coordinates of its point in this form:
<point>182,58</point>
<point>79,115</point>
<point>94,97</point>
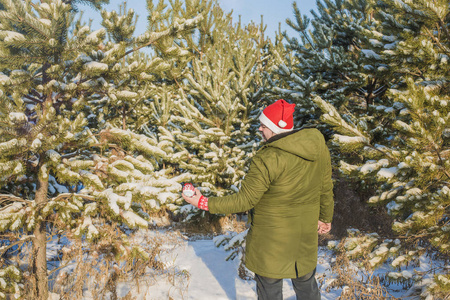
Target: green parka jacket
<point>289,188</point>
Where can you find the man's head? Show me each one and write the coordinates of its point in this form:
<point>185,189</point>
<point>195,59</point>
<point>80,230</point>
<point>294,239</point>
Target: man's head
<point>276,118</point>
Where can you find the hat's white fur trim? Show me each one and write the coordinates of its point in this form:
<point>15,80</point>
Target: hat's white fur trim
<point>269,124</point>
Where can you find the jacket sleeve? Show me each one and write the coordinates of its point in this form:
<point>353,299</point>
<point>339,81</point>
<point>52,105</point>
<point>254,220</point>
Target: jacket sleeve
<point>253,187</point>
<point>326,195</point>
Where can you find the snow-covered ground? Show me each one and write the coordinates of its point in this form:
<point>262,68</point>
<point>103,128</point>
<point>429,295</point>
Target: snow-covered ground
<point>194,268</point>
<point>200,271</point>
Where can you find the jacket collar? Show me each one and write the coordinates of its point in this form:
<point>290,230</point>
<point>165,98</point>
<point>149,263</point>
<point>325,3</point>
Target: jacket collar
<point>285,134</point>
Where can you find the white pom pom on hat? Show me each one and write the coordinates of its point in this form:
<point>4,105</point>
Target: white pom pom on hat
<point>282,124</point>
<point>278,116</point>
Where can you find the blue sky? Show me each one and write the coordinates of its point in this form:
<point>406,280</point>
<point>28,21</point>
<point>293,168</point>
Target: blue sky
<point>274,12</point>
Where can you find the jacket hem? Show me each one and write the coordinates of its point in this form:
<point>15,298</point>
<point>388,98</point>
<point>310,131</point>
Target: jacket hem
<point>279,276</point>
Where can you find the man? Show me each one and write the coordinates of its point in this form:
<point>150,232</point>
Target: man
<point>290,191</point>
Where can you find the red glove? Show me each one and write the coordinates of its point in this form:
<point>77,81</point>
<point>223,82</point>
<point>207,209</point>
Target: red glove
<point>203,203</point>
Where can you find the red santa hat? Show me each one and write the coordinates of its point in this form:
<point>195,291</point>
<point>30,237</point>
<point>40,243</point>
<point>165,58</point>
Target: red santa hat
<point>278,116</point>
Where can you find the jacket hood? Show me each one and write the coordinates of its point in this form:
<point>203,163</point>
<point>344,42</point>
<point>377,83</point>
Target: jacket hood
<point>305,143</point>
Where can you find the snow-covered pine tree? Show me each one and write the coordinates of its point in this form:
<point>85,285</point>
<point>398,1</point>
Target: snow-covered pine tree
<point>326,59</point>
<point>156,143</point>
<point>274,86</point>
<point>212,119</point>
<point>136,103</point>
<point>56,173</point>
<point>384,89</point>
<point>414,183</point>
<point>150,75</point>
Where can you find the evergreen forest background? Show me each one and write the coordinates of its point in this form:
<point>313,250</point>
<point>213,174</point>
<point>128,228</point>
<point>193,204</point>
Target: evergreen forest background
<point>97,135</point>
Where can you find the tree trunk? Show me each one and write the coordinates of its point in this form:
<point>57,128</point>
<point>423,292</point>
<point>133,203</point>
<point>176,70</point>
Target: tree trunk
<point>40,246</point>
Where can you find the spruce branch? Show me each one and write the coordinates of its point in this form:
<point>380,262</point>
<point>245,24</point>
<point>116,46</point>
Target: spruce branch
<point>386,154</point>
<point>445,49</point>
<point>23,20</point>
<point>162,34</point>
<point>62,266</point>
<point>66,196</point>
<point>442,163</point>
<point>33,99</point>
<point>142,46</point>
<point>35,93</point>
<point>9,197</point>
<point>14,58</point>
<point>444,26</point>
<point>19,242</point>
<point>70,155</point>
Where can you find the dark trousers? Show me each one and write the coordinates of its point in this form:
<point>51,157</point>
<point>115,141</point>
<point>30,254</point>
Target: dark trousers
<point>305,287</point>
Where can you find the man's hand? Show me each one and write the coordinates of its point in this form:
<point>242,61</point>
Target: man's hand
<point>194,199</point>
<point>323,227</point>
